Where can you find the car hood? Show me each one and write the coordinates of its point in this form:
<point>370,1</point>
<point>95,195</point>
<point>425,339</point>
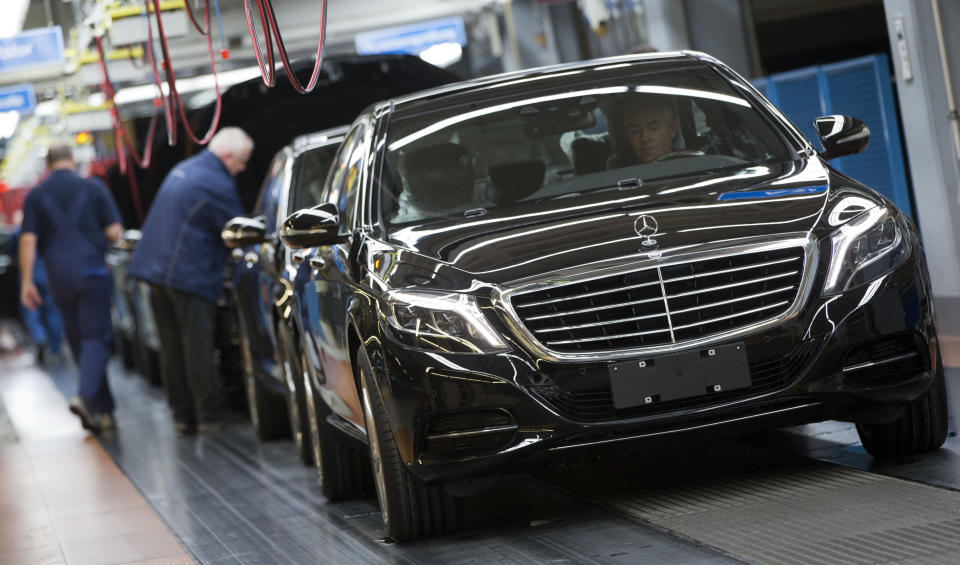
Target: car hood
<point>565,235</point>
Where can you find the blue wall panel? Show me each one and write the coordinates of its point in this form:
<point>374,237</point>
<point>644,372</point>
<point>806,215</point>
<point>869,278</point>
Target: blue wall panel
<point>860,88</point>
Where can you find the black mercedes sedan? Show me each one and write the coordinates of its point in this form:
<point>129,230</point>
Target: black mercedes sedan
<point>261,283</point>
<point>581,257</point>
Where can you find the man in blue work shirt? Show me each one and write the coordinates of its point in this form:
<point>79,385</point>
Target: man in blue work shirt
<point>182,256</point>
<point>69,220</point>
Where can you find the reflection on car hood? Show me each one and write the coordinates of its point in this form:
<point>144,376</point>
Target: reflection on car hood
<point>530,240</point>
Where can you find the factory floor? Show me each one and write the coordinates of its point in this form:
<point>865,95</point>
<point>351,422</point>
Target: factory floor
<point>142,494</point>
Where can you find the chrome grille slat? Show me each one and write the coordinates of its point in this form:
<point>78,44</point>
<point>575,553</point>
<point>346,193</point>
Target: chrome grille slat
<point>731,301</point>
<point>595,309</point>
<point>597,324</point>
<point>722,318</point>
<point>726,271</point>
<point>609,337</point>
<point>731,285</point>
<point>589,294</point>
<point>705,297</point>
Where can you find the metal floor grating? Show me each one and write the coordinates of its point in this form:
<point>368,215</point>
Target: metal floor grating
<point>772,511</point>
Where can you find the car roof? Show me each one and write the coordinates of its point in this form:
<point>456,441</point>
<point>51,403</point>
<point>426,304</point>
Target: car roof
<point>493,80</point>
<point>318,138</point>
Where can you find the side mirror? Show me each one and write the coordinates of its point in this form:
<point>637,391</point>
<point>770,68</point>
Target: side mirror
<point>129,240</point>
<point>241,232</point>
<point>841,135</point>
<point>311,227</point>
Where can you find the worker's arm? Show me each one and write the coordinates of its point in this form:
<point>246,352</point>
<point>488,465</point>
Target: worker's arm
<point>29,295</point>
<point>113,232</point>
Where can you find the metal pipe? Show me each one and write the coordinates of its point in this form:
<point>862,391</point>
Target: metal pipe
<point>948,80</point>
<point>46,7</point>
<point>512,35</point>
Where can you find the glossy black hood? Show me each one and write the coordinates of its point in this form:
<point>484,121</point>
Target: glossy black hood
<point>524,243</point>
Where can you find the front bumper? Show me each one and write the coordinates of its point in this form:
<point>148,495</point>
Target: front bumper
<point>859,355</point>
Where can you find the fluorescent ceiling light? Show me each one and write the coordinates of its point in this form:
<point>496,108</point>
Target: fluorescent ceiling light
<point>8,123</point>
<point>186,85</point>
<point>442,54</point>
<point>15,12</point>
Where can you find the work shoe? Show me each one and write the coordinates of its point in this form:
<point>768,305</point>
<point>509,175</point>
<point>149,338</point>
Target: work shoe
<point>106,422</point>
<point>79,407</point>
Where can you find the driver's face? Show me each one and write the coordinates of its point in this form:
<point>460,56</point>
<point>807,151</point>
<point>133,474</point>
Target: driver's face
<point>650,131</point>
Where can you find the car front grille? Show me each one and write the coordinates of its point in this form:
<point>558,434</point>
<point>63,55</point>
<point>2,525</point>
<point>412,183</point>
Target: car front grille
<point>767,375</point>
<point>663,305</point>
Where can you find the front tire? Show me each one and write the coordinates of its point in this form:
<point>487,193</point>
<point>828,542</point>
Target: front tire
<point>921,428</point>
<point>411,509</point>
<point>342,469</point>
<point>268,412</point>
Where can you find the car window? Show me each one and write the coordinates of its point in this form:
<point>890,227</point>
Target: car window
<point>314,165</point>
<point>269,197</point>
<point>343,188</point>
<point>571,137</point>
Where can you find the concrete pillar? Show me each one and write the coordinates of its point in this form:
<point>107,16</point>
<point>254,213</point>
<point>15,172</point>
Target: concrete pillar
<point>928,138</point>
<point>724,29</point>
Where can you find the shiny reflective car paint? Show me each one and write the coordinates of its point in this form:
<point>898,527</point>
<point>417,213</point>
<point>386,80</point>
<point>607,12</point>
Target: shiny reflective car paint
<point>266,268</point>
<point>456,414</point>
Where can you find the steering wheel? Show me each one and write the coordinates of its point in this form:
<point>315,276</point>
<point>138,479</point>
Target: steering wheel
<point>679,154</point>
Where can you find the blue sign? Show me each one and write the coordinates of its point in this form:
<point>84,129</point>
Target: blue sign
<point>33,48</point>
<point>412,39</point>
<point>19,98</point>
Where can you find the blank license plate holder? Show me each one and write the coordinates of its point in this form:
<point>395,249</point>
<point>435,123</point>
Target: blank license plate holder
<point>697,372</point>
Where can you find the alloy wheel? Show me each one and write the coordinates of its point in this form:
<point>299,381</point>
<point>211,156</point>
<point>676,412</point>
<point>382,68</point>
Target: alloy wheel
<point>312,418</point>
<point>376,458</point>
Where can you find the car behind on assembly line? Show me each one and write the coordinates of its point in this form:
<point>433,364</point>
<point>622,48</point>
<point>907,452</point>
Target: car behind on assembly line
<point>497,272</point>
<point>264,269</point>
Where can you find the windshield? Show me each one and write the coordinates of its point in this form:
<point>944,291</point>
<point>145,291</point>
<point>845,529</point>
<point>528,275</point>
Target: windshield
<point>481,153</point>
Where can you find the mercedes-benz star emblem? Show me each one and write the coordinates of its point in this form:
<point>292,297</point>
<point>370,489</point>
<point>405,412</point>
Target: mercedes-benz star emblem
<point>646,227</point>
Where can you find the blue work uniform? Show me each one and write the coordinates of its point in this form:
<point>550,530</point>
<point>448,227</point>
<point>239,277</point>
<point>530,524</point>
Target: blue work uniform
<point>69,214</point>
<point>182,256</point>
<point>181,247</point>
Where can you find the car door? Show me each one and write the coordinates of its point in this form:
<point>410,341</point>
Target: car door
<point>328,291</point>
<point>257,274</point>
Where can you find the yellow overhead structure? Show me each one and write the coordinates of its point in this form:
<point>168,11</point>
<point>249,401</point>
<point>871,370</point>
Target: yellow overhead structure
<point>117,10</point>
<point>88,57</point>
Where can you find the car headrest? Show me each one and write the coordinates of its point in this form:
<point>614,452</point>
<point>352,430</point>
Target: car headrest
<point>439,177</point>
<point>590,155</point>
<point>516,180</point>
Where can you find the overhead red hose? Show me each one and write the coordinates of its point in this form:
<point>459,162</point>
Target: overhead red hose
<point>205,29</point>
<point>271,32</point>
<point>122,139</point>
<point>267,70</point>
<point>174,95</point>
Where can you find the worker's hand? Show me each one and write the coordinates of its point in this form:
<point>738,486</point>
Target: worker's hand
<point>30,296</point>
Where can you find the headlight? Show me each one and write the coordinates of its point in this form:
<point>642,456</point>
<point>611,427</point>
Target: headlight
<point>449,322</point>
<point>864,249</point>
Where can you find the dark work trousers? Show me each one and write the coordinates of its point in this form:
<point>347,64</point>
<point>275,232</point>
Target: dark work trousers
<point>81,288</point>
<point>185,324</point>
<point>85,310</point>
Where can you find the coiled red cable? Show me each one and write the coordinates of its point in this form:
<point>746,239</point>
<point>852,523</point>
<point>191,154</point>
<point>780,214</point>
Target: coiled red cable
<point>122,140</point>
<point>173,97</point>
<point>271,33</point>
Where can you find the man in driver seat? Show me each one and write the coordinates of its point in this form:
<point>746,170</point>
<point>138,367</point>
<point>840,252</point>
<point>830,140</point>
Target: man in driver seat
<point>650,126</point>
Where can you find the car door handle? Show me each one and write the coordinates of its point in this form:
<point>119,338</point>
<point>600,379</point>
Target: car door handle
<point>299,256</point>
<point>251,257</point>
<point>317,262</point>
